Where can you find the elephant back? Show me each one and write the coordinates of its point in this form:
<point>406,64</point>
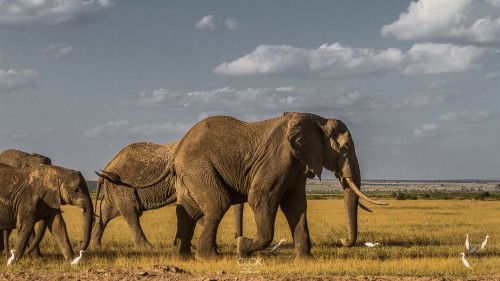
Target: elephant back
<point>141,162</point>
<point>18,158</point>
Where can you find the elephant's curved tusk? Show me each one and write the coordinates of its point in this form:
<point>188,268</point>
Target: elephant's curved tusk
<point>360,194</point>
<point>364,207</point>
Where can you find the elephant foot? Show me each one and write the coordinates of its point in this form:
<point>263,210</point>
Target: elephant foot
<point>181,254</point>
<point>242,244</point>
<point>144,246</point>
<point>95,245</point>
<point>347,242</point>
<point>207,255</point>
<point>303,259</point>
<point>36,254</point>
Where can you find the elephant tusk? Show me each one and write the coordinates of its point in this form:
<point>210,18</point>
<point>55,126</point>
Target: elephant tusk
<point>364,207</point>
<point>360,194</point>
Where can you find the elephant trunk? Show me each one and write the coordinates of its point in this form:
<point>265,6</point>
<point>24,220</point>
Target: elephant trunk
<point>351,211</point>
<point>88,220</point>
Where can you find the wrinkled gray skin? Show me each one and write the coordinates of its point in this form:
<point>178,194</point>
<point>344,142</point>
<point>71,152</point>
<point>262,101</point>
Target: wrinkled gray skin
<point>28,195</point>
<point>18,158</point>
<point>136,164</point>
<point>222,161</point>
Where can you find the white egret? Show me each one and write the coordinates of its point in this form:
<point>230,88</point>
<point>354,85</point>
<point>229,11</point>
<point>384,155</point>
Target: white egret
<point>278,245</point>
<point>466,263</point>
<point>371,245</point>
<point>467,244</point>
<point>77,260</point>
<point>483,246</point>
<point>474,250</point>
<point>11,259</point>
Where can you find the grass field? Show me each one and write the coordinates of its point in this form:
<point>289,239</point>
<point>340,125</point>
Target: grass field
<point>417,237</point>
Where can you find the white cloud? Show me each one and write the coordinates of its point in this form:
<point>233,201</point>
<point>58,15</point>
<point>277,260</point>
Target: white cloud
<point>338,61</point>
<point>110,128</point>
<point>125,128</point>
<point>465,116</point>
<point>55,51</point>
<point>427,130</point>
<point>12,80</point>
<point>207,22</point>
<point>26,13</point>
<point>58,51</point>
<point>476,21</point>
<point>232,24</point>
<point>250,100</point>
<point>452,123</point>
<point>441,58</point>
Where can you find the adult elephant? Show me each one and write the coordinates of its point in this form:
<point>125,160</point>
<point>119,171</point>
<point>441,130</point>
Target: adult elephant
<point>28,195</point>
<point>18,158</point>
<point>136,164</point>
<point>223,161</point>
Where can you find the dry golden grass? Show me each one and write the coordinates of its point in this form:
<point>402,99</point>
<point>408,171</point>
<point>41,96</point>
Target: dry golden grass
<point>418,237</point>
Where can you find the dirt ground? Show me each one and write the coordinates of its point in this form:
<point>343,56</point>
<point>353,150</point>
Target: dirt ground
<point>161,272</point>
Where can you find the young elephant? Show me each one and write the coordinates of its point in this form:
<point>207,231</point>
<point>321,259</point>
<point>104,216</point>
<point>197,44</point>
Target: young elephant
<point>136,164</point>
<point>18,158</point>
<point>28,195</point>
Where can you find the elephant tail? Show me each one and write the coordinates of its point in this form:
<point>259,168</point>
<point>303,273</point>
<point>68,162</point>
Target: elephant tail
<point>97,191</point>
<point>115,178</point>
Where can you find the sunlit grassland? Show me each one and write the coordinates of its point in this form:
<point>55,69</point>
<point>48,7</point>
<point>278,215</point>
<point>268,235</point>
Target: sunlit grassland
<point>418,237</point>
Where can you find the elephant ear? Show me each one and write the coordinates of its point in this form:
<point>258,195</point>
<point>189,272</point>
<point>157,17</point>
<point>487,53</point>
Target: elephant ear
<point>306,138</point>
<point>48,190</point>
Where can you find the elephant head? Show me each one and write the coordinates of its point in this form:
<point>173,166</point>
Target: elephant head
<point>58,186</point>
<point>318,142</point>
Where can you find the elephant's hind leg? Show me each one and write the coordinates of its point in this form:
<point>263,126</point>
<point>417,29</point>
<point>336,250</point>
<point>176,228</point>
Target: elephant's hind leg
<point>186,223</point>
<point>134,223</point>
<point>107,213</point>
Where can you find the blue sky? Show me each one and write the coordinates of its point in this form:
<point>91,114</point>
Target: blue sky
<point>415,81</point>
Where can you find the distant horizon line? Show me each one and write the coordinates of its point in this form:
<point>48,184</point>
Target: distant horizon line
<point>400,180</point>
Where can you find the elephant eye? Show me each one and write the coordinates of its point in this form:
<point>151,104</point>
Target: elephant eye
<point>345,149</point>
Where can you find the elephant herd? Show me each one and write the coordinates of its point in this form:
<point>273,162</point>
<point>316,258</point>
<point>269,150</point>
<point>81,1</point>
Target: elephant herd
<point>220,162</point>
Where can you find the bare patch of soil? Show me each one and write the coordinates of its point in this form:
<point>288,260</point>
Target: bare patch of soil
<point>160,272</point>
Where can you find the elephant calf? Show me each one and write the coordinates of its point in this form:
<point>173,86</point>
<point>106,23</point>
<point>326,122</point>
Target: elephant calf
<point>31,194</point>
<point>137,164</point>
<point>18,158</point>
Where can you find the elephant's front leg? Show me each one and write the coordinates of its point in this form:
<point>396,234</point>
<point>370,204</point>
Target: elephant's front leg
<point>4,243</point>
<point>24,229</point>
<point>294,206</point>
<point>57,227</point>
<point>264,209</point>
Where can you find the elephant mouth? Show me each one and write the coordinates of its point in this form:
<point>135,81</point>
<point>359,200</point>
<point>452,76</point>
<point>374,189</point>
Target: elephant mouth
<point>358,192</point>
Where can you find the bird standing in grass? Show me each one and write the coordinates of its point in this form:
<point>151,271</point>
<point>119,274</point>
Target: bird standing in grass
<point>483,246</point>
<point>278,245</point>
<point>466,263</point>
<point>371,245</point>
<point>467,244</point>
<point>77,260</point>
<point>11,259</point>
